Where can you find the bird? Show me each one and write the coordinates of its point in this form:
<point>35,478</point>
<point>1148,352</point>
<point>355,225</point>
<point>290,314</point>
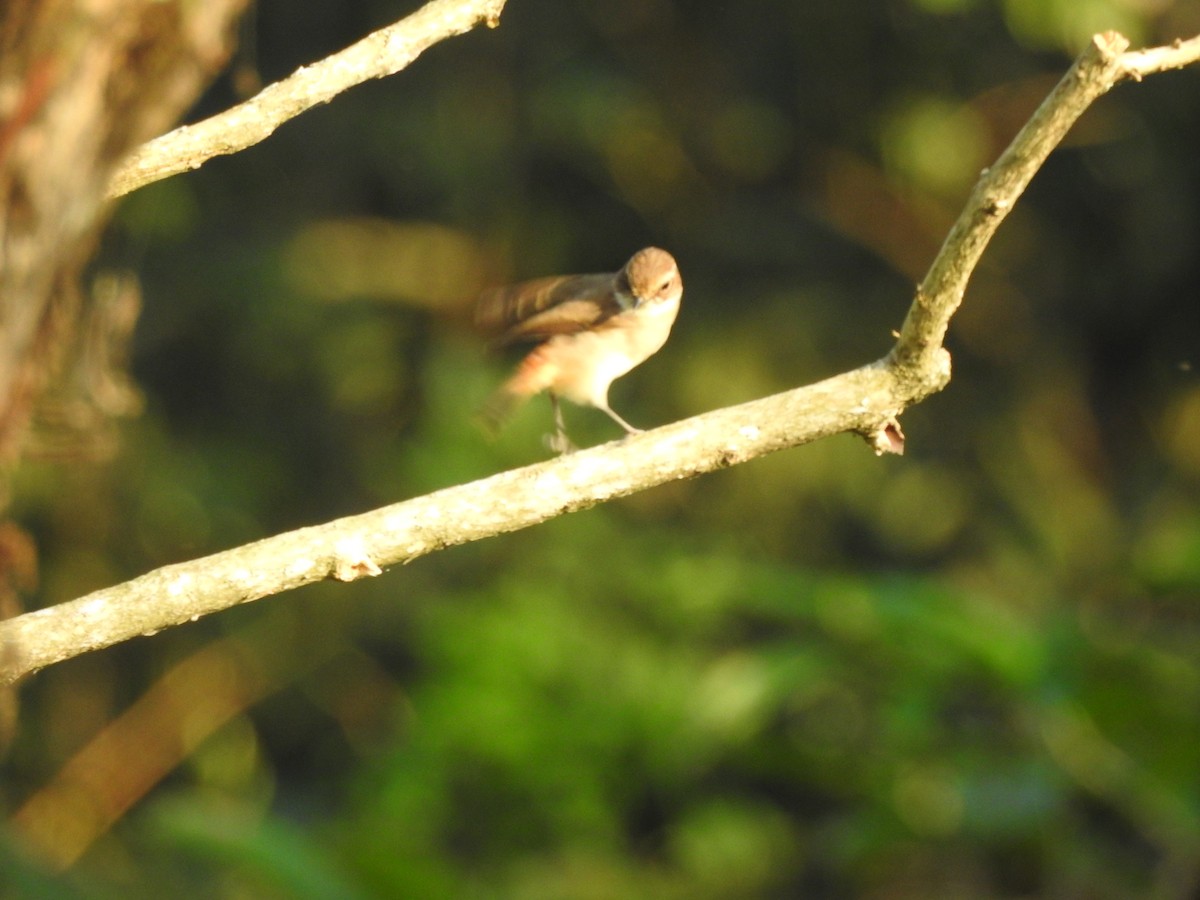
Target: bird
<point>586,331</point>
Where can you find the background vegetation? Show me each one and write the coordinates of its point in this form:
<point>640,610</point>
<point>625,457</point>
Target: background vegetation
<point>971,671</point>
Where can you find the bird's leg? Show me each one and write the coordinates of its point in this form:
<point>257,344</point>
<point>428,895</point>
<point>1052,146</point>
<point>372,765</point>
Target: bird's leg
<point>559,443</point>
<point>629,429</point>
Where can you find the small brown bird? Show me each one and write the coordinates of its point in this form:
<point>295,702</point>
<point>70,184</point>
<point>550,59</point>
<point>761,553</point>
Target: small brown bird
<point>589,330</point>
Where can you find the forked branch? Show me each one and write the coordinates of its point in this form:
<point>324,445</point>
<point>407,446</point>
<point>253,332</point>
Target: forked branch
<point>867,400</point>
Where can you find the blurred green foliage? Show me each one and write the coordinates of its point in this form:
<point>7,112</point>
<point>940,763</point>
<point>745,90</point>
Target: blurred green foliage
<point>969,672</point>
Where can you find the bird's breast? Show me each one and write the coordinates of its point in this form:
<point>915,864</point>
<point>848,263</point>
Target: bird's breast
<point>589,361</point>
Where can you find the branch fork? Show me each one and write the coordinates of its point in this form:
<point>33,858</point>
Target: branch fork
<point>867,401</point>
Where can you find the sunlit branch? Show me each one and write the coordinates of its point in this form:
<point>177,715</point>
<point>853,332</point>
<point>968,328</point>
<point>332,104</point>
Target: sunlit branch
<point>866,401</point>
<point>1176,55</point>
<point>381,53</point>
<point>1101,65</point>
<point>358,546</point>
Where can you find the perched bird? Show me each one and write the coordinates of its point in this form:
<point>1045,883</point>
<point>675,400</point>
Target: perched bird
<point>588,330</point>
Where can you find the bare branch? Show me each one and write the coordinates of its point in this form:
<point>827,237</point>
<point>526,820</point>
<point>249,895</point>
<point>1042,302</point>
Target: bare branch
<point>382,53</point>
<point>863,400</point>
<point>995,194</point>
<point>866,401</point>
<point>1176,55</point>
<point>1099,67</point>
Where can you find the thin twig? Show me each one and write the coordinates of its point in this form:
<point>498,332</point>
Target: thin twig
<point>382,53</point>
<point>1139,63</point>
<point>1101,65</point>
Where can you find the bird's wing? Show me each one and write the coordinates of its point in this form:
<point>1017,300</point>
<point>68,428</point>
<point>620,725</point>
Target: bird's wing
<point>539,309</point>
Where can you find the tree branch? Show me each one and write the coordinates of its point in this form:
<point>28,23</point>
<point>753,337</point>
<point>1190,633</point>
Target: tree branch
<point>867,401</point>
<point>1102,64</point>
<point>382,53</point>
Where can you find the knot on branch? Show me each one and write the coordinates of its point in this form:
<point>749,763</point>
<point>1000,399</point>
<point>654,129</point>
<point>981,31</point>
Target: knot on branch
<point>352,561</point>
<point>887,437</point>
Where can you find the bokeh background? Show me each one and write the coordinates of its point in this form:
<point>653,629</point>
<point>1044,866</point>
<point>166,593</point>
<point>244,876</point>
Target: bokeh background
<point>973,671</point>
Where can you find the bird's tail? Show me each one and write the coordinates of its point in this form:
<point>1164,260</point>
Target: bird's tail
<point>535,374</point>
<point>498,408</point>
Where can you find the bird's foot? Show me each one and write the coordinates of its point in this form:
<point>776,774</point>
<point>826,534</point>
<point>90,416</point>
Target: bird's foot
<point>560,443</point>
